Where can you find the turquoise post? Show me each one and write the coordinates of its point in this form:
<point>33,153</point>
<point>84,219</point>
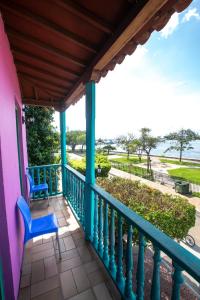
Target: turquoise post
<point>177,282</point>
<point>140,268</point>
<point>63,148</point>
<point>90,159</point>
<point>155,288</point>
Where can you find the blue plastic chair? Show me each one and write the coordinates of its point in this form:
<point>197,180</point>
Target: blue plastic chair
<point>39,226</point>
<point>37,187</point>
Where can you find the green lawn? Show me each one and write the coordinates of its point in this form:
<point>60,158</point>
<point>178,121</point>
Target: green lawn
<point>177,162</point>
<point>125,160</point>
<point>188,174</point>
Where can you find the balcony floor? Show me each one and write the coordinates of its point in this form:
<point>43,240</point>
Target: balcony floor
<point>77,276</point>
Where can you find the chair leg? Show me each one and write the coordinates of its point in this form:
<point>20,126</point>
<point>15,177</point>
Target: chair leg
<point>58,245</point>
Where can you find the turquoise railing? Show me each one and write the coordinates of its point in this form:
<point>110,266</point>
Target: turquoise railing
<point>117,230</point>
<point>75,191</point>
<point>50,174</point>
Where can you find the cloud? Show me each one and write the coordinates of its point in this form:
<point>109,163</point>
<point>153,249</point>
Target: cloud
<point>191,13</point>
<point>171,26</point>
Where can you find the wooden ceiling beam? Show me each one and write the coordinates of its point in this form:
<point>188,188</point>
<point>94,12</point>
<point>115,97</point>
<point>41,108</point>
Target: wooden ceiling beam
<point>49,88</point>
<point>85,15</point>
<point>41,22</point>
<point>25,38</point>
<point>41,102</point>
<point>51,82</point>
<point>54,76</point>
<point>18,52</point>
<point>115,44</point>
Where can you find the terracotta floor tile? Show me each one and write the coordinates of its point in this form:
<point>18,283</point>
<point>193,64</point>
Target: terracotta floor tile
<point>25,281</point>
<point>50,266</point>
<point>68,254</point>
<point>91,266</point>
<point>84,254</point>
<point>44,286</point>
<point>37,271</point>
<point>81,279</point>
<point>101,292</point>
<point>86,295</point>
<point>69,264</point>
<point>42,254</point>
<point>25,294</point>
<point>26,269</point>
<point>52,295</point>
<point>96,277</point>
<point>68,284</point>
<point>42,247</point>
<point>69,243</point>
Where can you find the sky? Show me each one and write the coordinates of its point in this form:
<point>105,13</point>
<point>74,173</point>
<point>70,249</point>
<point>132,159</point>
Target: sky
<point>158,86</point>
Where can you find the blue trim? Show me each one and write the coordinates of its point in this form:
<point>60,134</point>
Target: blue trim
<point>63,147</point>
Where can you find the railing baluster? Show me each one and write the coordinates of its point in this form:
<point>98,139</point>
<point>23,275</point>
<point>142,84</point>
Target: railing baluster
<point>129,266</point>
<point>100,246</point>
<point>140,268</point>
<point>177,282</point>
<point>95,235</point>
<point>112,265</point>
<point>50,181</point>
<point>83,200</point>
<point>56,180</point>
<point>120,274</point>
<point>105,232</point>
<point>155,288</point>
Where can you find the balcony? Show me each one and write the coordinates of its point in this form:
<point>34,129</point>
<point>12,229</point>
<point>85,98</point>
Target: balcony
<point>153,267</point>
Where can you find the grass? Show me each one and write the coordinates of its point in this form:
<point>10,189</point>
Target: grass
<point>125,160</point>
<point>177,162</point>
<point>188,174</point>
<point>196,194</point>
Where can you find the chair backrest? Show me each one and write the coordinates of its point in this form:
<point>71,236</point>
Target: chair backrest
<point>30,179</point>
<point>26,214</point>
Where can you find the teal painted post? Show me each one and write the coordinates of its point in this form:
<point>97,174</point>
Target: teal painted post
<point>90,159</point>
<point>105,233</point>
<point>140,268</point>
<point>177,282</point>
<point>129,295</point>
<point>112,265</point>
<point>63,148</point>
<point>120,274</point>
<point>155,288</point>
<point>95,236</point>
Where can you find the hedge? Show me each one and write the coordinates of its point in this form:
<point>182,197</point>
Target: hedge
<point>171,214</point>
<point>101,160</point>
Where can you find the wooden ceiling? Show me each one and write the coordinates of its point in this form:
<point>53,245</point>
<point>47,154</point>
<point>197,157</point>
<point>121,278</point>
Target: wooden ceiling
<point>60,44</point>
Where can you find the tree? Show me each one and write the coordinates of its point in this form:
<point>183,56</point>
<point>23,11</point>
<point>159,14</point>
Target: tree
<point>43,140</point>
<point>148,143</point>
<point>74,138</point>
<point>181,140</point>
<point>126,141</point>
<point>82,140</point>
<point>109,148</point>
<point>138,149</point>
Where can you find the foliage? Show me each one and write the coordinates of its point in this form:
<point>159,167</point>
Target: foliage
<point>182,163</point>
<point>148,143</point>
<point>138,171</point>
<point>100,160</point>
<point>43,140</point>
<point>138,147</point>
<point>181,140</point>
<point>188,174</point>
<point>171,214</point>
<point>108,148</point>
<point>76,137</point>
<point>196,194</point>
<point>126,141</point>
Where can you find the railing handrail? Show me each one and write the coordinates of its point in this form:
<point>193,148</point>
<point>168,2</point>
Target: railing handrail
<point>76,173</point>
<point>189,262</point>
<point>44,166</point>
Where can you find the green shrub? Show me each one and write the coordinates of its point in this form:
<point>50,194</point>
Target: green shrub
<point>171,214</point>
<point>80,165</point>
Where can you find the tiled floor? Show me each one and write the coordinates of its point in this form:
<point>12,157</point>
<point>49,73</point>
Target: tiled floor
<point>77,276</point>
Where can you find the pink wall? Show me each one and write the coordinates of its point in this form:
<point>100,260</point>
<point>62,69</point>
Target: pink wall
<point>11,227</point>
